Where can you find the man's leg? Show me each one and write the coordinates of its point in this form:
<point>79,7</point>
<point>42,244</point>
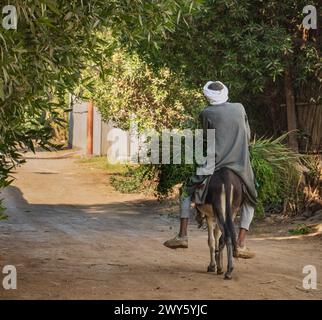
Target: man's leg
<point>247,214</point>
<point>181,240</point>
<point>183,227</point>
<point>188,190</point>
<point>241,237</point>
<point>185,205</point>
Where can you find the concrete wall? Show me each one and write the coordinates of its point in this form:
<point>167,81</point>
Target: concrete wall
<point>118,145</point>
<point>97,133</point>
<point>107,140</point>
<point>104,143</point>
<point>78,124</point>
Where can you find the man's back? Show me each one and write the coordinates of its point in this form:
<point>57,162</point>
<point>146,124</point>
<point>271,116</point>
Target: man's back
<point>232,139</point>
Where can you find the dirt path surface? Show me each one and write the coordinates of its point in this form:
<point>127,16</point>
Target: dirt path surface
<point>71,236</point>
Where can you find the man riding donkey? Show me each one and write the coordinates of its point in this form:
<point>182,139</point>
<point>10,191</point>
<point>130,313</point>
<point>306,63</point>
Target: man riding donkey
<point>232,136</point>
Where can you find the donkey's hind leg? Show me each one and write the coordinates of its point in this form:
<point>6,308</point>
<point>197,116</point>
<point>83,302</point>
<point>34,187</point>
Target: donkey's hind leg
<point>230,240</point>
<point>211,243</point>
<point>219,251</point>
<point>230,266</point>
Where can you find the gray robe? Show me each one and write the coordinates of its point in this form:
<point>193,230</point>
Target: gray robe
<point>231,145</point>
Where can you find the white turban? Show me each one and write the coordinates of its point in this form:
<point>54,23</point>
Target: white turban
<point>216,96</point>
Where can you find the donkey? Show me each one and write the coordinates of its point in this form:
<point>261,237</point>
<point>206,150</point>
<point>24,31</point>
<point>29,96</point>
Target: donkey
<point>223,200</point>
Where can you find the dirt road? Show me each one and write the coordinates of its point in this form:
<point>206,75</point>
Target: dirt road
<point>71,236</point>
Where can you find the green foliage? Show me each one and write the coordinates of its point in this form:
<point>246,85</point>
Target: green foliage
<point>277,173</point>
<point>172,175</point>
<point>313,164</point>
<point>136,179</point>
<point>247,44</point>
<point>101,163</point>
<point>129,90</point>
<point>266,183</point>
<point>43,60</point>
<point>311,187</point>
<point>300,229</point>
<point>2,215</point>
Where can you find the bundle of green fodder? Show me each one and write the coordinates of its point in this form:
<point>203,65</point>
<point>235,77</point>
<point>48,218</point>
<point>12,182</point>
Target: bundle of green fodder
<point>278,172</point>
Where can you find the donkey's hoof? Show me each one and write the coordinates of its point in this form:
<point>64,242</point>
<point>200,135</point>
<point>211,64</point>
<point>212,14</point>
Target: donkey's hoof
<point>228,276</point>
<point>219,271</point>
<point>211,269</point>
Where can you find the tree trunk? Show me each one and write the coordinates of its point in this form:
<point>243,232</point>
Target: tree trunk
<point>290,111</point>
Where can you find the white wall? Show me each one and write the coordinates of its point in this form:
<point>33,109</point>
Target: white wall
<point>78,123</point>
<point>107,140</point>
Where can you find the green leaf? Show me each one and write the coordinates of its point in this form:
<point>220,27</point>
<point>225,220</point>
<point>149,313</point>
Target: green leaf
<point>2,96</point>
<point>52,4</point>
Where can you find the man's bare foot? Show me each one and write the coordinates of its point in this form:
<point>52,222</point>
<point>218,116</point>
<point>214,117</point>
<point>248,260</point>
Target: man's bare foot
<point>177,242</point>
